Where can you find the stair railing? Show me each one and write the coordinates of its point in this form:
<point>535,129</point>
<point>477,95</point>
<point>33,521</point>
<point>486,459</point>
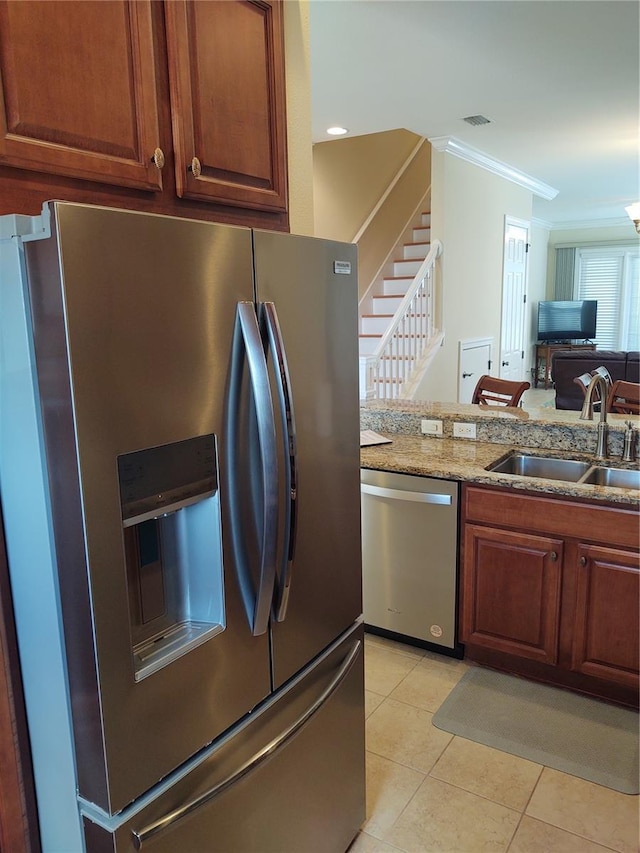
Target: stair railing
<point>385,373</point>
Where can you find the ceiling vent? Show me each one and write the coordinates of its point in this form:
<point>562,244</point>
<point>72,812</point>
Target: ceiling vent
<point>475,120</point>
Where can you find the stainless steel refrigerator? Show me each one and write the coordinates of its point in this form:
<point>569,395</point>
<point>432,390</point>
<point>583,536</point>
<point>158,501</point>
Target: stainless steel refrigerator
<point>179,465</point>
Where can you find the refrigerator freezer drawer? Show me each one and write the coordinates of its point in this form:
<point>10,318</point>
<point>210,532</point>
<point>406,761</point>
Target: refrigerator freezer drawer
<point>409,555</point>
<point>290,778</point>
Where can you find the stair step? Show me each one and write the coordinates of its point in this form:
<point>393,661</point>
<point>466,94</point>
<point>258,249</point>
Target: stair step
<point>375,324</point>
<point>415,250</point>
<point>367,344</point>
<point>411,267</point>
<point>422,234</point>
<point>387,304</point>
<point>393,285</point>
<point>425,218</point>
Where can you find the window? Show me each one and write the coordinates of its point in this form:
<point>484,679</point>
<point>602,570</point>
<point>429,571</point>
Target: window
<point>612,276</point>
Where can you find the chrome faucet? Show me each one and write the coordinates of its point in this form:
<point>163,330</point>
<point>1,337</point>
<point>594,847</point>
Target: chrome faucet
<point>587,413</point>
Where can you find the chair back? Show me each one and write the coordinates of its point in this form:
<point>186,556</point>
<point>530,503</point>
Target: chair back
<point>498,392</point>
<point>624,397</point>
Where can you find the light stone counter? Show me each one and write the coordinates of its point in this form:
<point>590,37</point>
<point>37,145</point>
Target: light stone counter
<point>497,433</point>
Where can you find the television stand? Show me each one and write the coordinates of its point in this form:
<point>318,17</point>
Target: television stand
<point>544,354</point>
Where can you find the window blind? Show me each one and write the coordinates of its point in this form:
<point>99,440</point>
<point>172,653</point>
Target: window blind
<point>611,276</point>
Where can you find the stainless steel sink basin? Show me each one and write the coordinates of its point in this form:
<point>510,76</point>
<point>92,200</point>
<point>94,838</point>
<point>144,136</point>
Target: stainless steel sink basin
<point>550,468</point>
<point>617,477</point>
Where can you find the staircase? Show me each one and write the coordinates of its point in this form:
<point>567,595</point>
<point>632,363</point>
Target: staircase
<point>394,335</point>
<point>394,286</point>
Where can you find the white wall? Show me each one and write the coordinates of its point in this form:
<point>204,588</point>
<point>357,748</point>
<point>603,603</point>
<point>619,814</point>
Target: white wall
<point>537,285</point>
<point>468,207</point>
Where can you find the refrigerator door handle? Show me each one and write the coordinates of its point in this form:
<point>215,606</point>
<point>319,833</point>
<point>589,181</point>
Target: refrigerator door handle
<point>269,316</point>
<point>247,337</point>
<point>168,820</point>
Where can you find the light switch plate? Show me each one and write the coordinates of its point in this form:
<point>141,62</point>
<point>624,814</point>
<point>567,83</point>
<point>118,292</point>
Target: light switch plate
<point>431,427</point>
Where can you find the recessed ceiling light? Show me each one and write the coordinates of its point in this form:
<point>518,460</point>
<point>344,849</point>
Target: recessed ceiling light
<point>337,131</point>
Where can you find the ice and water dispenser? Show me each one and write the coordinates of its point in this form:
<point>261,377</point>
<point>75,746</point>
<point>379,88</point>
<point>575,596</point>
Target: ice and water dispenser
<point>173,549</point>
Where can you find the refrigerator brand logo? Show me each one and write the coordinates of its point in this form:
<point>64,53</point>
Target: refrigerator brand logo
<point>342,267</point>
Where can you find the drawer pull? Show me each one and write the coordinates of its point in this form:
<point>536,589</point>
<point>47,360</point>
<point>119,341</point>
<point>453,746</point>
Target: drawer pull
<point>583,561</point>
<point>158,158</point>
<point>554,556</point>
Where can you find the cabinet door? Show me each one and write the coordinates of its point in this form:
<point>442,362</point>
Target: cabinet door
<point>511,592</point>
<point>226,72</point>
<point>77,93</point>
<point>606,637</point>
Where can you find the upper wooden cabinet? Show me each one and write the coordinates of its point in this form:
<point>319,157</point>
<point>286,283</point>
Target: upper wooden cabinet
<point>175,108</point>
<point>226,72</point>
<point>78,90</point>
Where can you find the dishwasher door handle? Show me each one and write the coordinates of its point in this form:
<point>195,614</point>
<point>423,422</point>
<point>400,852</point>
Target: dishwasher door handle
<point>401,495</point>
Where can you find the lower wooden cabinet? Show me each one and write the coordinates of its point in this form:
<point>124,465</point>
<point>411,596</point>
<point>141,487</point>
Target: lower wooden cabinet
<point>606,638</point>
<point>550,589</point>
<point>512,592</point>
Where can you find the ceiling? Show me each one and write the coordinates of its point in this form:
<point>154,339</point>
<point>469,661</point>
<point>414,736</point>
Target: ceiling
<point>559,80</point>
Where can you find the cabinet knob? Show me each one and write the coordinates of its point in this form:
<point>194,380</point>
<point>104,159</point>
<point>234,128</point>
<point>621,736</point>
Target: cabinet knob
<point>158,158</point>
<point>195,168</point>
<point>583,561</point>
<point>554,556</point>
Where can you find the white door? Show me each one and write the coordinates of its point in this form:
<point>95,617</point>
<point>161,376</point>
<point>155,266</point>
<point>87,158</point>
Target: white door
<point>514,298</point>
<point>474,360</point>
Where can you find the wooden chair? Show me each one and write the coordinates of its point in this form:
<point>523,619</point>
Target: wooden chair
<point>624,397</point>
<point>498,392</point>
<point>584,379</point>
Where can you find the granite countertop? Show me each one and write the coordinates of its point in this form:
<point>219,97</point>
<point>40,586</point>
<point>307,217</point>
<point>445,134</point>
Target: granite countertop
<point>465,460</point>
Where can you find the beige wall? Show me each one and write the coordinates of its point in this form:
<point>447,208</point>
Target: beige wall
<point>351,175</point>
<point>391,219</point>
<point>468,207</point>
<point>299,139</point>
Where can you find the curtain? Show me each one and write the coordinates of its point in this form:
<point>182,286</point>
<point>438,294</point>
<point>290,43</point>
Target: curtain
<point>565,272</point>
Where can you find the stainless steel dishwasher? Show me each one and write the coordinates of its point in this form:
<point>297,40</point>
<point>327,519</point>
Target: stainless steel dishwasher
<point>409,558</point>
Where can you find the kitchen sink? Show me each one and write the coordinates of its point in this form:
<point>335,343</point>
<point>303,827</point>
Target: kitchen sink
<point>619,478</point>
<point>548,467</point>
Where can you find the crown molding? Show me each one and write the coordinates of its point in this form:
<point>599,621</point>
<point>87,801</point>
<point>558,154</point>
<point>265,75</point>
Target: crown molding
<point>542,223</point>
<point>592,223</point>
<point>451,145</point>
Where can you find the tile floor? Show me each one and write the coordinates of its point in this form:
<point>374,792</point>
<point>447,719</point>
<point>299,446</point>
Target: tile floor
<point>432,792</point>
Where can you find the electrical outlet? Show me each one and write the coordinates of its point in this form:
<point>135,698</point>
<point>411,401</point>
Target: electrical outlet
<point>464,430</point>
<point>431,427</point>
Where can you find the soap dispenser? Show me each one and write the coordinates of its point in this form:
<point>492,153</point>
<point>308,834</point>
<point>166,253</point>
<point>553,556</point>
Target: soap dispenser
<point>629,452</point>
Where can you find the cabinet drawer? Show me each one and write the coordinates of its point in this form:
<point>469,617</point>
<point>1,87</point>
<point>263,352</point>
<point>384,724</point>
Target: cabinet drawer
<point>552,516</point>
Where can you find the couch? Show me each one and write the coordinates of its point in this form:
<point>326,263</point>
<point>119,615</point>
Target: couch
<point>566,365</point>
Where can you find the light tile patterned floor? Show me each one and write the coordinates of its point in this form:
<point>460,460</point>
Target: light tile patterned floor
<point>432,792</point>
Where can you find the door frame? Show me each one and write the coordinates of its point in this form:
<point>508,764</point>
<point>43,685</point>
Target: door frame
<point>525,224</point>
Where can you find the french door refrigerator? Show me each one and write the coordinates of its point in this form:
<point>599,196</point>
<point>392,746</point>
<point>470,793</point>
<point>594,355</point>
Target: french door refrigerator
<point>179,465</point>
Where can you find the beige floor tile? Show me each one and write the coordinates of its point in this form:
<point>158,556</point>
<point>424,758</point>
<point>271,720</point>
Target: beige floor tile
<point>394,646</point>
<point>429,683</point>
<point>371,702</point>
<point>444,819</point>
<point>498,776</point>
<point>599,814</point>
<point>405,734</point>
<point>384,669</point>
<point>364,843</point>
<point>533,836</point>
<point>390,786</point>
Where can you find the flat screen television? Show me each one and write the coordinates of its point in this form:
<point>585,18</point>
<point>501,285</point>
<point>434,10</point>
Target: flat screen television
<point>569,320</point>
